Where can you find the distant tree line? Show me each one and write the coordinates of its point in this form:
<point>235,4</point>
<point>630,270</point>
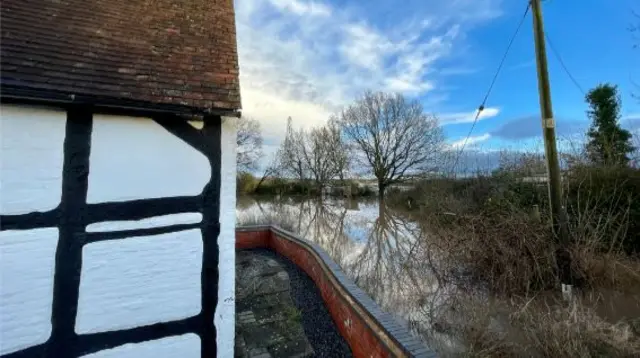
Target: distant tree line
<point>390,138</point>
<point>380,135</point>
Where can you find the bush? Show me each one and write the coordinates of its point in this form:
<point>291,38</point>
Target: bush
<point>599,201</point>
<point>358,190</point>
<point>471,195</point>
<point>507,253</point>
<point>245,183</point>
<point>280,186</point>
<point>494,237</point>
<point>533,327</point>
<point>607,201</point>
<point>272,186</point>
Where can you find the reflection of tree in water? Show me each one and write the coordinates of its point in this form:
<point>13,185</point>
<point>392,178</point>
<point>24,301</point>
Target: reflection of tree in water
<point>387,267</point>
<point>244,202</point>
<point>321,221</point>
<point>397,267</point>
<point>394,262</point>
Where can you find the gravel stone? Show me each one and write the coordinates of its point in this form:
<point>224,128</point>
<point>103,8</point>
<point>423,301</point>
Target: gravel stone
<point>318,326</point>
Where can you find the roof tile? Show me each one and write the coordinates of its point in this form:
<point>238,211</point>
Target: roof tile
<point>163,51</point>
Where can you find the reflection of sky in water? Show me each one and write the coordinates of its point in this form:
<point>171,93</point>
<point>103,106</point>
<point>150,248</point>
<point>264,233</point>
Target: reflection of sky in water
<point>356,233</point>
<point>382,255</point>
<point>386,254</point>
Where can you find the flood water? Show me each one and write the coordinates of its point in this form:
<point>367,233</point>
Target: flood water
<point>383,251</point>
<point>376,247</point>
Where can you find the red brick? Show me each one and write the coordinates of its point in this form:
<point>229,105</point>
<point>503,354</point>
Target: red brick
<point>359,336</point>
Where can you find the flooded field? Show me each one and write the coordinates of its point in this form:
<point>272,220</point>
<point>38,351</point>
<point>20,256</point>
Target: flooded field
<point>396,260</point>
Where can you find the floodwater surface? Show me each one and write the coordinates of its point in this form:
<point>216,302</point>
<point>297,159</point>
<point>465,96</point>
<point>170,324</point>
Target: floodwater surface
<point>376,247</point>
<point>393,259</point>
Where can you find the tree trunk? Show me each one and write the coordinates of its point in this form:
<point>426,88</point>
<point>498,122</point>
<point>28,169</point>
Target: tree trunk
<point>260,182</point>
<point>381,188</point>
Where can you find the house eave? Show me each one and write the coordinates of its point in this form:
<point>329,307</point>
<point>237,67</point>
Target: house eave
<point>20,94</point>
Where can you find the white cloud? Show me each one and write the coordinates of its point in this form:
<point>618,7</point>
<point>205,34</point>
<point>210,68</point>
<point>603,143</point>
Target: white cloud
<point>365,47</point>
<point>631,117</point>
<point>305,59</point>
<point>302,7</point>
<point>469,142</point>
<point>305,114</point>
<point>467,117</point>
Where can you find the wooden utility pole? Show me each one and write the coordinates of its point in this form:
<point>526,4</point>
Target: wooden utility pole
<point>558,213</point>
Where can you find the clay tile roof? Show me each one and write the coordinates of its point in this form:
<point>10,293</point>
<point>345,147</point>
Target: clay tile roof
<point>175,52</point>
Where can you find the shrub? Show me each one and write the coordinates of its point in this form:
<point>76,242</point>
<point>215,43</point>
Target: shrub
<point>245,183</point>
<point>508,253</point>
<point>534,327</point>
<point>492,237</point>
<point>606,200</point>
<point>599,201</point>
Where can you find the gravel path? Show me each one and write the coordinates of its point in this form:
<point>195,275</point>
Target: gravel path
<point>318,326</point>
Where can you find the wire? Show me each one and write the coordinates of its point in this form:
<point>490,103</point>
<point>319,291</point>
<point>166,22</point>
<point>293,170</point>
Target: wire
<point>557,55</point>
<point>493,82</point>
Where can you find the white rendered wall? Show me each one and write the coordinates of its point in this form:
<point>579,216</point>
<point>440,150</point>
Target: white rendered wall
<point>135,158</point>
<point>163,220</point>
<point>31,158</point>
<point>31,139</point>
<point>26,287</point>
<point>124,283</point>
<point>225,312</point>
<point>185,346</point>
<point>139,281</point>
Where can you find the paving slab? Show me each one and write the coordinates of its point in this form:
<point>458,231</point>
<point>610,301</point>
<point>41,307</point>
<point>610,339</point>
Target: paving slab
<point>279,311</point>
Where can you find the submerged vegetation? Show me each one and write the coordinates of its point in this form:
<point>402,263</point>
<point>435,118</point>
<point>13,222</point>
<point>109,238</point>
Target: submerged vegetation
<point>247,184</point>
<point>473,260</point>
<point>492,233</point>
<point>467,287</point>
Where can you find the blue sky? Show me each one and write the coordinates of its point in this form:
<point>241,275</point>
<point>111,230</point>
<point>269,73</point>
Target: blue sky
<point>306,59</point>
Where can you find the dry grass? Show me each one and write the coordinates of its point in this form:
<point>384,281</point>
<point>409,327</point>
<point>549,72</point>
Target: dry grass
<point>516,254</point>
<point>533,328</point>
<point>574,330</point>
<point>286,222</point>
<point>580,334</point>
<point>506,252</point>
<point>606,270</point>
<point>509,254</point>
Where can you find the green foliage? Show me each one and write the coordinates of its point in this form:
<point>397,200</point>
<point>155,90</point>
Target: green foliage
<point>364,191</point>
<point>359,190</point>
<point>609,144</point>
<point>479,194</point>
<point>611,197</point>
<point>245,183</point>
<point>280,186</point>
<point>602,203</point>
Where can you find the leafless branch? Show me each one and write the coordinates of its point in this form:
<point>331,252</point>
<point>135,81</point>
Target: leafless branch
<point>249,144</point>
<point>391,136</point>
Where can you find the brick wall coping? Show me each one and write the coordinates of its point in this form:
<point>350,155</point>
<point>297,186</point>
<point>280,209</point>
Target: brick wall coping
<point>395,339</point>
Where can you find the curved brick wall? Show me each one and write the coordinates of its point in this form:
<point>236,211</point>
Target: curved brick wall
<point>369,331</point>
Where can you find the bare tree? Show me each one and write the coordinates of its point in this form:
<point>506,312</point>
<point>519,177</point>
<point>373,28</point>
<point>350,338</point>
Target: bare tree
<point>324,154</point>
<point>392,136</point>
<point>249,144</point>
<point>522,164</point>
<point>319,154</point>
<point>271,170</point>
<point>341,152</point>
<point>290,154</point>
